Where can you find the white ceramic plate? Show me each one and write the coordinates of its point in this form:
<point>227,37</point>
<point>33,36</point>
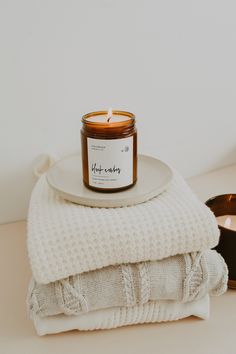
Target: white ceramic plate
<point>65,177</point>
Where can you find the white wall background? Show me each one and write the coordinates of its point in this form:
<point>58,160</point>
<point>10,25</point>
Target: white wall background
<point>170,62</point>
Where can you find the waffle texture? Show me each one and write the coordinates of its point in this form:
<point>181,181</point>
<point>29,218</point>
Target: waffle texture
<point>161,311</point>
<point>65,239</point>
<point>181,278</point>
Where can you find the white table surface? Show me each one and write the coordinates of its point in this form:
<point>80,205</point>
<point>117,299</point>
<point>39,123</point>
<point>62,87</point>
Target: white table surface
<point>214,336</point>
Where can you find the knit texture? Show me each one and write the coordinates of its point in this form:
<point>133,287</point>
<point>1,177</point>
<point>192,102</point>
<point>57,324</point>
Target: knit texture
<point>161,311</point>
<point>66,239</point>
<point>182,278</point>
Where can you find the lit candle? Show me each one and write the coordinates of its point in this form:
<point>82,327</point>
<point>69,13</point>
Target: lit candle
<point>227,221</point>
<point>109,150</point>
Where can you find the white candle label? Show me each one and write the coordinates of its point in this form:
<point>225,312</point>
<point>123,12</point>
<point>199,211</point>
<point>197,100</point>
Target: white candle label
<point>110,162</point>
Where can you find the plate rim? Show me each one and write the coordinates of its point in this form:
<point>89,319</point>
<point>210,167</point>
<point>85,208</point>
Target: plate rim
<point>110,203</point>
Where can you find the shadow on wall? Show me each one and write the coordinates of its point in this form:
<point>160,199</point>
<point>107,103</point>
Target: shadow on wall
<point>227,159</point>
<point>15,190</point>
<point>16,187</point>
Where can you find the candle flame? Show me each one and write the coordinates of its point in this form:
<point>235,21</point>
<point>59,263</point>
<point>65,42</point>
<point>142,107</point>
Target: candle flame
<point>109,114</point>
<point>228,222</point>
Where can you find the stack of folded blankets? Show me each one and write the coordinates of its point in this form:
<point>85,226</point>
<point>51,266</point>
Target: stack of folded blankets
<point>100,268</point>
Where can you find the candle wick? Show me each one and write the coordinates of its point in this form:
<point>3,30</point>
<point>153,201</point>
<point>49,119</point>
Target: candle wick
<point>109,115</point>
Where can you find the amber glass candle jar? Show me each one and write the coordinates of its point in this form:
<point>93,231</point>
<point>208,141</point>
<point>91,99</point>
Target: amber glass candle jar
<point>109,150</point>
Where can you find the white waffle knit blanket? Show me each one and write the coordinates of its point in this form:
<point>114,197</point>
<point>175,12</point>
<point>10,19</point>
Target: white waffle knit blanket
<point>159,311</point>
<point>65,239</point>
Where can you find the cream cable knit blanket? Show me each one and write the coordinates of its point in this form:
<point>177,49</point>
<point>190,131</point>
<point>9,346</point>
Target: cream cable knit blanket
<point>66,239</point>
<point>160,311</point>
<point>183,278</point>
